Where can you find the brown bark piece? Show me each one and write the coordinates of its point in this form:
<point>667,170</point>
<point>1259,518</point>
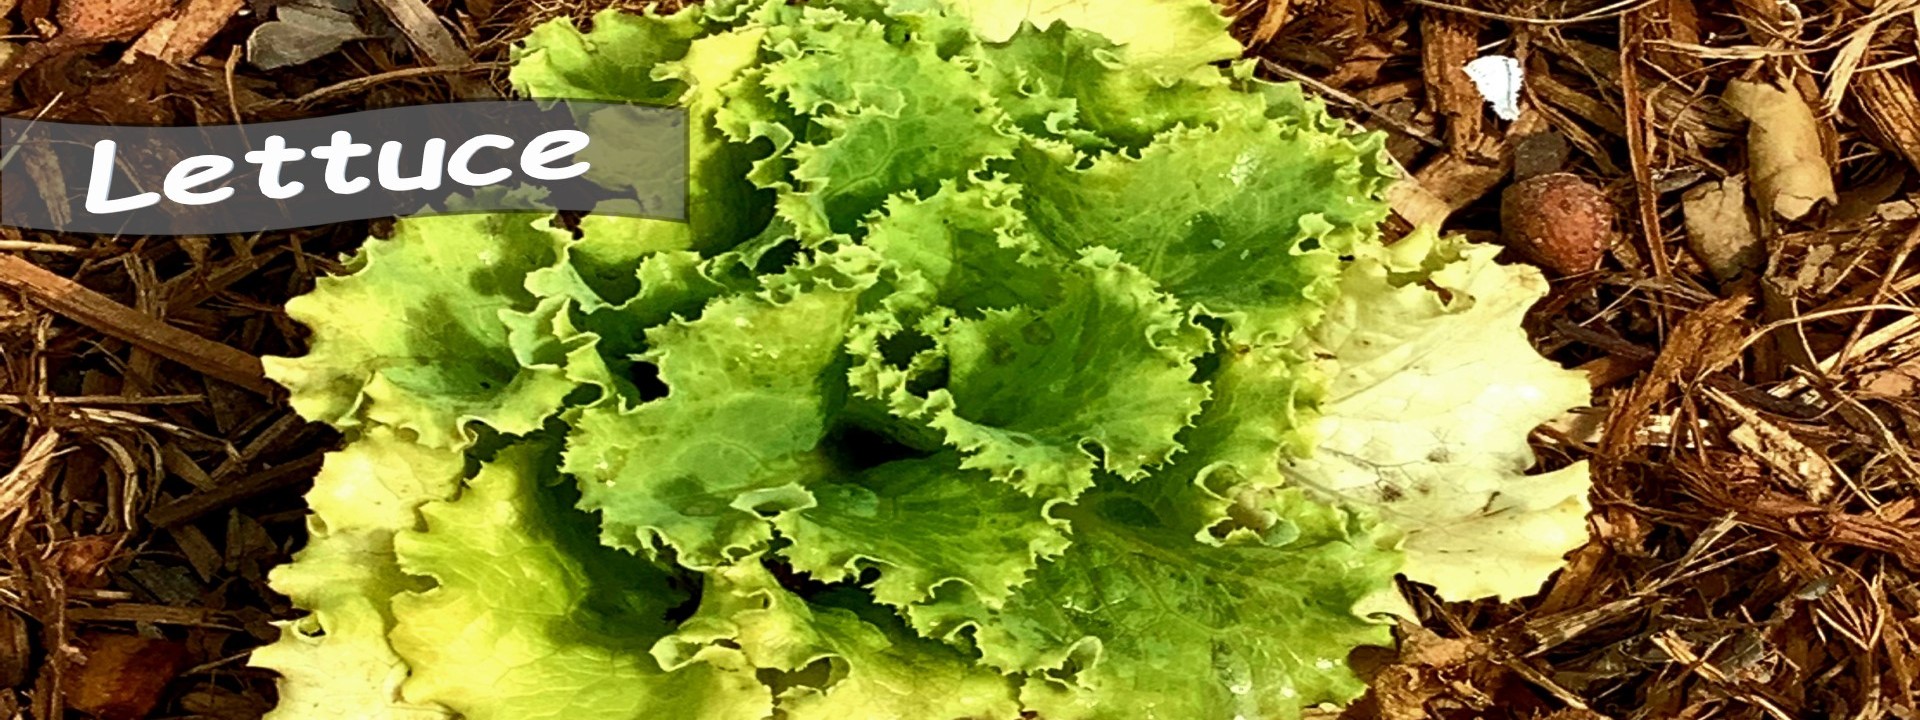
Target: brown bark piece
<point>1889,108</point>
<point>1450,41</point>
<point>1705,341</point>
<point>97,311</point>
<point>1272,19</point>
<point>100,21</point>
<point>15,651</point>
<point>177,39</point>
<point>1676,21</point>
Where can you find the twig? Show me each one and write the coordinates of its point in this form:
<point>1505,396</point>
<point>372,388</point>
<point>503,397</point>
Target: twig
<point>99,312</point>
<point>18,486</point>
<point>360,83</point>
<point>1617,9</point>
<point>1639,156</point>
<point>198,505</point>
<point>1880,295</point>
<point>1810,317</point>
<point>1392,123</point>
<point>31,246</point>
<point>101,400</point>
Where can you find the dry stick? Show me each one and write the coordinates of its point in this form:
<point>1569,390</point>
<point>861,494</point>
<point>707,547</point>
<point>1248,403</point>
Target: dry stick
<point>349,87</point>
<point>1880,295</point>
<point>99,312</point>
<point>1604,13</point>
<point>229,494</point>
<point>11,399</point>
<point>1638,154</point>
<point>31,246</point>
<point>1392,123</point>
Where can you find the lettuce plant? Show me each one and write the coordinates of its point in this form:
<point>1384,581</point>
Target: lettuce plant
<point>1013,362</point>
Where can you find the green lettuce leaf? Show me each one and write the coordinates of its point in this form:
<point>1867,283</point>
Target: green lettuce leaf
<point>1077,86</point>
<point>1429,402</point>
<point>1167,37</point>
<point>1247,219</point>
<point>658,60</point>
<point>1137,619</point>
<point>1017,360</point>
<point>1119,357</point>
<point>837,662</point>
<point>750,384</point>
<point>439,356</point>
<point>615,62</point>
<point>335,662</point>
<point>530,618</point>
<point>905,520</point>
<point>887,116</point>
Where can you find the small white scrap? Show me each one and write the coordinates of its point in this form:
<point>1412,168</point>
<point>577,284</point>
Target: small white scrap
<point>1498,79</point>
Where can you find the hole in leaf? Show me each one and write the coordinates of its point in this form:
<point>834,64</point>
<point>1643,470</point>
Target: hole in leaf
<point>857,448</point>
<point>646,379</point>
<point>817,674</point>
<point>684,610</point>
<point>899,348</point>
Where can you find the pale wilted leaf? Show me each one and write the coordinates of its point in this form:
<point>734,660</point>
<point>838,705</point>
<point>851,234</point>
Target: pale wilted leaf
<point>1789,172</point>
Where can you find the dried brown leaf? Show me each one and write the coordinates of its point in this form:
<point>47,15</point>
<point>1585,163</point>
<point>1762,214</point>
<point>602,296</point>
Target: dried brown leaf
<point>1720,228</point>
<point>1897,382</point>
<point>123,676</point>
<point>1785,159</point>
<point>1272,19</point>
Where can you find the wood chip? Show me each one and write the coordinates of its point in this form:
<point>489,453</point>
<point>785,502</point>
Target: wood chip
<point>1705,341</point>
<point>100,21</point>
<point>146,613</point>
<point>99,312</point>
<point>20,484</point>
<point>1272,19</point>
<point>1889,109</point>
<point>177,39</point>
<point>201,554</point>
<point>1450,41</point>
<point>1672,21</point>
<point>233,492</point>
<point>14,649</point>
<point>1796,463</point>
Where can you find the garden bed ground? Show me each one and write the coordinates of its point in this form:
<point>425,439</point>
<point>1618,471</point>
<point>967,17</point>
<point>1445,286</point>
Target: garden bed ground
<point>1756,547</point>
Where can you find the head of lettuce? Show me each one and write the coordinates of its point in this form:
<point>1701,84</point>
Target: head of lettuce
<point>1017,358</point>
